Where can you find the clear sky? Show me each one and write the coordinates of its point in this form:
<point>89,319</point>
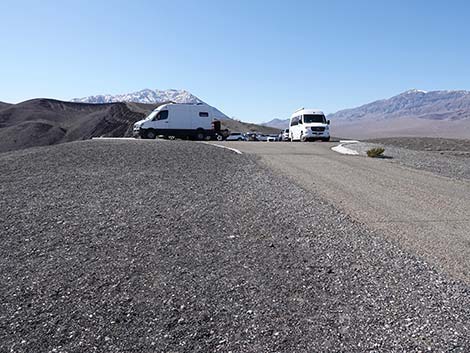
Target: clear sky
<point>254,60</point>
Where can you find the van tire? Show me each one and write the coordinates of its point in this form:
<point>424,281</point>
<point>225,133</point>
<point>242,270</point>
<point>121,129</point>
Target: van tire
<point>220,137</point>
<point>200,135</point>
<point>150,134</point>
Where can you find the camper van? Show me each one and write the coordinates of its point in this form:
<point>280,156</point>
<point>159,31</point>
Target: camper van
<point>194,121</point>
<point>309,125</point>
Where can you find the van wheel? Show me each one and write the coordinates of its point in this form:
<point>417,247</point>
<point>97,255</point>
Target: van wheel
<point>302,137</point>
<point>220,137</point>
<point>200,134</point>
<point>150,134</point>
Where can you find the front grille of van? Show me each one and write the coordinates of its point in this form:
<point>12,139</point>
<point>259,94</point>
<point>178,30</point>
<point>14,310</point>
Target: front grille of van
<point>318,128</point>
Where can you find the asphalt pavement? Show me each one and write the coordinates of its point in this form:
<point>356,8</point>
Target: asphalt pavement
<point>173,246</point>
<point>426,213</point>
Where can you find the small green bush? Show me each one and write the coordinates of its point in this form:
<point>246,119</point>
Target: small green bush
<point>375,152</point>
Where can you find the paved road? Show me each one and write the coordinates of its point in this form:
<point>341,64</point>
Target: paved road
<point>428,214</point>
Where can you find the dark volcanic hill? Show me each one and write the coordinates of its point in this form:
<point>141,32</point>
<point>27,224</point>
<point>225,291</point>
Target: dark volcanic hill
<point>41,122</point>
<point>4,105</point>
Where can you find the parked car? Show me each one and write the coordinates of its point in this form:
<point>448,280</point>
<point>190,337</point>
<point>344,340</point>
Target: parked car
<point>262,137</point>
<point>273,138</point>
<point>309,125</point>
<point>285,135</point>
<point>222,135</point>
<point>251,136</point>
<point>236,136</point>
<point>179,120</point>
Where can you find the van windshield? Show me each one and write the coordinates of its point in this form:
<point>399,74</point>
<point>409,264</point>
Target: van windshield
<point>314,118</point>
<point>152,115</point>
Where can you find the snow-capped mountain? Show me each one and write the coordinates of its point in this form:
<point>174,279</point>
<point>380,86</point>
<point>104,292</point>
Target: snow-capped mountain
<point>143,96</point>
<point>150,97</point>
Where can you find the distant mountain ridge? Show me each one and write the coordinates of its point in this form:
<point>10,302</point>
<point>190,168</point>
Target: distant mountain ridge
<point>411,113</point>
<point>149,96</point>
<point>143,96</point>
<point>433,105</point>
<point>277,123</point>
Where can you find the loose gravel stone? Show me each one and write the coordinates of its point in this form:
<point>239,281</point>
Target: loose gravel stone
<point>449,163</point>
<point>142,246</point>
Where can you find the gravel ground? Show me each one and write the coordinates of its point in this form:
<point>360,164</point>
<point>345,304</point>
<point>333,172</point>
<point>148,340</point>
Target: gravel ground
<point>455,146</point>
<point>443,158</point>
<point>144,246</point>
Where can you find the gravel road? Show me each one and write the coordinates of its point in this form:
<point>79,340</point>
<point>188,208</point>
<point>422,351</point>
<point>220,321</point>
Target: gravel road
<point>426,213</point>
<point>145,246</point>
<point>446,159</point>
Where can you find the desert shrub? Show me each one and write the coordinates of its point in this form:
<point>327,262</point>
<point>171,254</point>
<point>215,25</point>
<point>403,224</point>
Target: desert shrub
<point>375,152</point>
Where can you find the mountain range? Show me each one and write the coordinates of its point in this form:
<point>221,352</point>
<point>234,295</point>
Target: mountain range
<point>148,96</point>
<point>434,105</point>
<point>39,122</point>
<point>411,113</point>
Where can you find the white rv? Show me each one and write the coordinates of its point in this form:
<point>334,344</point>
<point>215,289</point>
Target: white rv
<point>309,125</point>
<point>179,120</point>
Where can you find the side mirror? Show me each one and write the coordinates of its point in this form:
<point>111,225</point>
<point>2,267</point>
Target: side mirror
<point>328,122</point>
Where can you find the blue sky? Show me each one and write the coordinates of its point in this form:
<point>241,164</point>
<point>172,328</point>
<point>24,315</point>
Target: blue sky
<point>254,60</point>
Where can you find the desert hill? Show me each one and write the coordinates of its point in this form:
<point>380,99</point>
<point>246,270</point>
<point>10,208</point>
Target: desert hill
<point>42,122</point>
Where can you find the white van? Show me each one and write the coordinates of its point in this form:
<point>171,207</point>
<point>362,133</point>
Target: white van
<point>309,125</point>
<point>179,120</point>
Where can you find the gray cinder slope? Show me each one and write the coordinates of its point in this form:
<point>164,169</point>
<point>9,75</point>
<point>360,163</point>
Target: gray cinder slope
<point>41,122</point>
<point>120,253</point>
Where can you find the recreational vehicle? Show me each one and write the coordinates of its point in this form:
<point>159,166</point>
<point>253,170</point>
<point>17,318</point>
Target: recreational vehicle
<point>194,121</point>
<point>309,125</point>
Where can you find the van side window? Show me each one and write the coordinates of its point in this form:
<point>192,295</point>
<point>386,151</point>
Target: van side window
<point>203,114</point>
<point>300,119</point>
<point>163,115</point>
<point>295,121</point>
